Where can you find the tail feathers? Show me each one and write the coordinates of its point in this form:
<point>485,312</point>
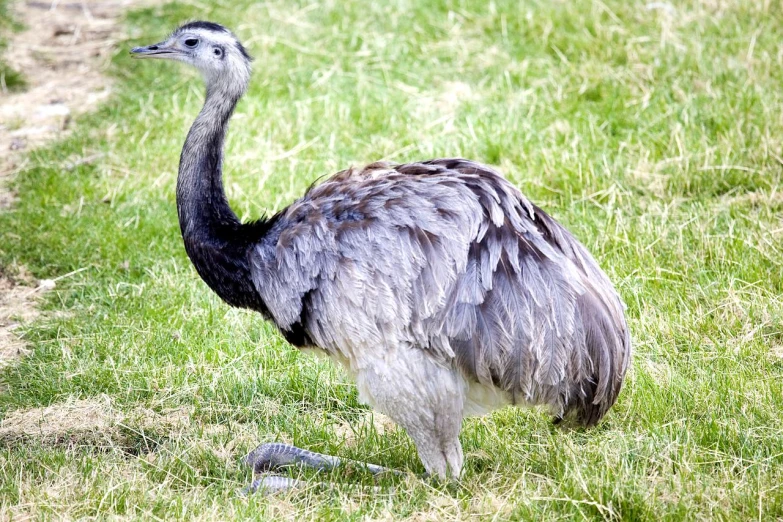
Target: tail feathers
<point>581,408</point>
<point>608,351</point>
<point>588,400</point>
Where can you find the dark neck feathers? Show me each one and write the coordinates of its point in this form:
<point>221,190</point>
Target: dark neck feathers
<point>216,241</point>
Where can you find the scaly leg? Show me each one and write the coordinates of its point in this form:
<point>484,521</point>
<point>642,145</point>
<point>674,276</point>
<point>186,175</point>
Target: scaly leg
<point>276,455</point>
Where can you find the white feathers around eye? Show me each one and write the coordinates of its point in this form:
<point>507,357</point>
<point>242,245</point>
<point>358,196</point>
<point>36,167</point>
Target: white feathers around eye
<point>226,72</point>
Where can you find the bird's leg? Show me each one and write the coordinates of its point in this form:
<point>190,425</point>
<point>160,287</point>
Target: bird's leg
<point>427,399</point>
<point>422,396</point>
<point>276,455</point>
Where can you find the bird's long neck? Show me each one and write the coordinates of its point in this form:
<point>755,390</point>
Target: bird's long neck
<point>215,240</point>
<point>201,201</point>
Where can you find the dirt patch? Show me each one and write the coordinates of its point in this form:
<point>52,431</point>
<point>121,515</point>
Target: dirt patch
<point>63,52</point>
<point>18,295</point>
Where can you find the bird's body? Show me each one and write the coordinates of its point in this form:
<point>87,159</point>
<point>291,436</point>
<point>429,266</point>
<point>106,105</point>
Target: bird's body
<point>446,257</point>
<point>437,285</point>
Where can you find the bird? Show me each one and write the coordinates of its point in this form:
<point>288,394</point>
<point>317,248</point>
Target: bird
<point>436,285</point>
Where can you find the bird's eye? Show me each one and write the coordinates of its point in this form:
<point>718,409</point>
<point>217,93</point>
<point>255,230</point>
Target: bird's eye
<point>191,42</point>
<point>217,51</point>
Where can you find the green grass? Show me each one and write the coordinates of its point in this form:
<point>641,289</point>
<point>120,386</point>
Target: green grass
<point>10,79</point>
<point>656,136</point>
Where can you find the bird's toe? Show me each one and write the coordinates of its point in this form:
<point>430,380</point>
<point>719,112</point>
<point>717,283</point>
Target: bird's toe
<point>269,484</point>
<point>263,457</point>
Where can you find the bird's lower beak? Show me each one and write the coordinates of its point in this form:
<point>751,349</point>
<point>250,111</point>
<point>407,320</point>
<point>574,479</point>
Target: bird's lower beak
<point>158,50</point>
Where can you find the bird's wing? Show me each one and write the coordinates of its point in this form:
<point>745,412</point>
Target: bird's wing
<point>448,256</point>
<point>533,314</point>
<point>367,257</point>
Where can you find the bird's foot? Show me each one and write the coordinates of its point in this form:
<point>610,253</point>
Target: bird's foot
<point>275,455</point>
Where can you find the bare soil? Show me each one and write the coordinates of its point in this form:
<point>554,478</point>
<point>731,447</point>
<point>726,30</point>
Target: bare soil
<point>63,52</point>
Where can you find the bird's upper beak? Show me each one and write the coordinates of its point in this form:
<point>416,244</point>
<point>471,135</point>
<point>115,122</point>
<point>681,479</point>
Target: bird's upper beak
<point>158,50</point>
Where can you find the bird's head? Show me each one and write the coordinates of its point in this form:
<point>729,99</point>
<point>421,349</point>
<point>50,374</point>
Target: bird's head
<point>209,47</point>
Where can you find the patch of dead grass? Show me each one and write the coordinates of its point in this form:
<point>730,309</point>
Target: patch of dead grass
<point>18,294</point>
<point>97,422</point>
<point>169,419</point>
<point>90,421</point>
<point>75,420</point>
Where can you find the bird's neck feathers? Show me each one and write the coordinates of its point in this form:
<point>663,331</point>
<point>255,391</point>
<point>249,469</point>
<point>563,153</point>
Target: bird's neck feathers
<point>201,200</point>
<point>225,87</point>
<point>215,240</point>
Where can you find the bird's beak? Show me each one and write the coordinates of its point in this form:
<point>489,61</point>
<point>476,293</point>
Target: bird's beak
<point>158,50</point>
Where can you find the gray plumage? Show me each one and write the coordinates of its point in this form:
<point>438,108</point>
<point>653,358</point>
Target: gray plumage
<point>448,257</point>
<point>437,285</point>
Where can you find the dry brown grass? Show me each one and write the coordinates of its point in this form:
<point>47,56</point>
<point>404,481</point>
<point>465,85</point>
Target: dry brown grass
<point>76,421</point>
<point>351,432</point>
<point>18,295</point>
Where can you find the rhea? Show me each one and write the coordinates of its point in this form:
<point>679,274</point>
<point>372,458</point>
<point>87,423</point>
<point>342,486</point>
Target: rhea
<point>437,285</point>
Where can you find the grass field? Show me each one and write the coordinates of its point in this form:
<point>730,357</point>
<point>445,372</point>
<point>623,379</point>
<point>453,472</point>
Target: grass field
<point>653,131</point>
